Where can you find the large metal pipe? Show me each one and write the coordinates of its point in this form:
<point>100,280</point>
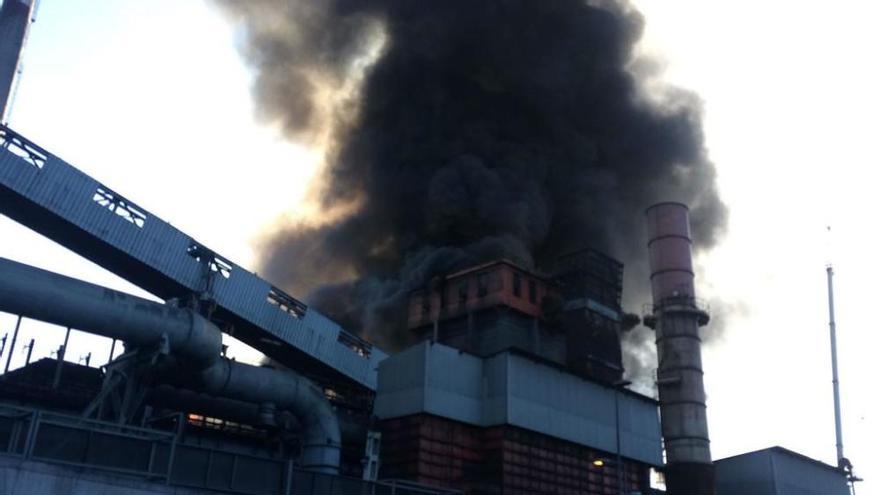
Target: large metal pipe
<point>196,342</point>
<point>181,399</point>
<point>321,440</point>
<point>15,17</point>
<point>676,317</point>
<point>54,298</point>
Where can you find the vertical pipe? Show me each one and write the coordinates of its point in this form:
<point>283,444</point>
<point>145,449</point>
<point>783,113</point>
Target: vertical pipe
<point>617,465</point>
<point>288,477</point>
<point>30,348</point>
<point>832,326</point>
<point>618,461</point>
<point>61,352</point>
<point>178,431</point>
<point>112,349</point>
<point>33,429</point>
<point>12,344</point>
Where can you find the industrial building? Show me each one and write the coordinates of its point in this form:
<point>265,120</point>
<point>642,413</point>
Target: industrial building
<point>515,385</point>
<point>778,471</point>
<point>505,394</point>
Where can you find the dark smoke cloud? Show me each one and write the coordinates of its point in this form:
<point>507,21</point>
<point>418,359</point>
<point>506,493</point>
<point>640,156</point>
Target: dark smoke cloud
<point>509,128</point>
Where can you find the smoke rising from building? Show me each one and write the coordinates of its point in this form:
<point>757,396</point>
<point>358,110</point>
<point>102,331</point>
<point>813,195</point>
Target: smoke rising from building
<point>479,130</point>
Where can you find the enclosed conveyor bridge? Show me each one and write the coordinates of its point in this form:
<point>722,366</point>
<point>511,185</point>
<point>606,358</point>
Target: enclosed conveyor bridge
<point>50,196</point>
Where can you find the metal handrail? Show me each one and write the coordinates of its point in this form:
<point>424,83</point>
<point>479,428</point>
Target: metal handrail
<point>34,418</point>
<point>648,309</point>
<point>21,147</point>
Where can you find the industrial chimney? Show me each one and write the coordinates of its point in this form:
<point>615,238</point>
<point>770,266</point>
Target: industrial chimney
<point>15,16</point>
<point>676,317</point>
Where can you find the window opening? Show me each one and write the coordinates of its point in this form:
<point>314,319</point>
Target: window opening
<point>117,204</point>
<point>214,262</point>
<point>286,303</point>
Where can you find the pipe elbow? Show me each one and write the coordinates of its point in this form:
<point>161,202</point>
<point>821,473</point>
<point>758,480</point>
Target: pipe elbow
<point>322,438</point>
<point>202,344</point>
<point>289,391</point>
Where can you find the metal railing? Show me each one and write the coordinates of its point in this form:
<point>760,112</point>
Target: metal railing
<point>161,456</point>
<point>680,301</point>
<point>21,147</point>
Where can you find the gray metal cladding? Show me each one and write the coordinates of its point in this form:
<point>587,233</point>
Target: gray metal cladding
<point>777,471</point>
<point>513,389</point>
<point>82,202</point>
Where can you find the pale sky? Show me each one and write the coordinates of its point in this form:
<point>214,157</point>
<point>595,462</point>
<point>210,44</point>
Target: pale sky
<point>152,99</point>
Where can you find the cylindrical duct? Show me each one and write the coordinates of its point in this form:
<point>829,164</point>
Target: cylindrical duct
<point>321,440</point>
<point>182,399</point>
<point>47,296</point>
<point>14,18</point>
<point>676,317</point>
<point>54,298</point>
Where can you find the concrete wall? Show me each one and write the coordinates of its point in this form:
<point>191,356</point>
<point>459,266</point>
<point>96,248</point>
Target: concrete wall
<point>18,477</point>
<point>512,389</point>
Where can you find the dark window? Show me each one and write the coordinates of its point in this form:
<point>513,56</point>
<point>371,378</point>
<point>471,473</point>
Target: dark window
<point>533,292</point>
<point>288,304</point>
<point>482,284</point>
<point>426,304</point>
<point>517,285</point>
<point>462,292</point>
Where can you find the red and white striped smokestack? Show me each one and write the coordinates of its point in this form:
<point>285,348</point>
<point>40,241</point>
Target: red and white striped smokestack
<point>669,245</point>
<point>676,317</point>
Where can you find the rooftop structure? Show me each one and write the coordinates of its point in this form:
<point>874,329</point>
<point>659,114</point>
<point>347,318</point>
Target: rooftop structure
<point>778,471</point>
<point>571,317</point>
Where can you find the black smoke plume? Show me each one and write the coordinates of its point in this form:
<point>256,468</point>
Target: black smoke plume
<point>483,129</point>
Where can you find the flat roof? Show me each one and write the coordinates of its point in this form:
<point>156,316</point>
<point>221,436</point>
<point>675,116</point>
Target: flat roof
<point>782,450</point>
<point>489,264</point>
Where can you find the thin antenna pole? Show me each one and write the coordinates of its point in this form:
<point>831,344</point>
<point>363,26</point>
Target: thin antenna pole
<point>834,378</point>
<point>12,345</point>
<point>30,348</point>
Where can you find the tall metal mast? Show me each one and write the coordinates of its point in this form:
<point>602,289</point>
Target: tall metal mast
<point>834,378</point>
<point>842,462</point>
